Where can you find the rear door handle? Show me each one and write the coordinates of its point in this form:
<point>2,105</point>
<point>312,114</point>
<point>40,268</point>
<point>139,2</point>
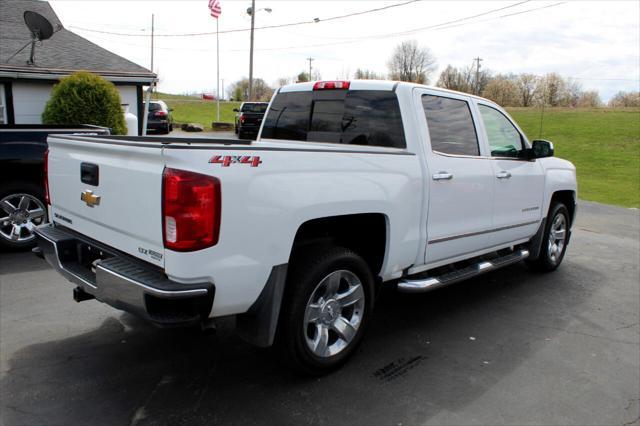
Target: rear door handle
<point>442,176</point>
<point>503,175</point>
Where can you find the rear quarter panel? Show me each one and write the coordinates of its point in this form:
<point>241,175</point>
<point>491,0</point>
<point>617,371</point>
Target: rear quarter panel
<point>263,207</point>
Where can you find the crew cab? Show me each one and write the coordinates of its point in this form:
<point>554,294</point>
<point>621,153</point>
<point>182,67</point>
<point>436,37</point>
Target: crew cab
<point>351,185</point>
<point>249,118</point>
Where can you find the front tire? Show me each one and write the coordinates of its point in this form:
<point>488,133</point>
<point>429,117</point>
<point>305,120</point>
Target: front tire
<point>327,306</point>
<point>555,241</point>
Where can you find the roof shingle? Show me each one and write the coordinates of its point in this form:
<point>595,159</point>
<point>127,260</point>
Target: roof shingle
<point>63,53</point>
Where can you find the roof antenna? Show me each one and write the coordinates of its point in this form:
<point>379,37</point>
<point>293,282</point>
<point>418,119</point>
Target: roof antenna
<point>40,28</point>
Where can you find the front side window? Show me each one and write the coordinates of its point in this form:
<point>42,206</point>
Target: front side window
<point>358,117</point>
<point>451,127</point>
<point>504,138</point>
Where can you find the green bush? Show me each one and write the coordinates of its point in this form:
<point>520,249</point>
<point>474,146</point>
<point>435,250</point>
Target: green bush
<point>85,98</point>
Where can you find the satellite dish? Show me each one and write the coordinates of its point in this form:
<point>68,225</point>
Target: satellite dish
<point>41,29</point>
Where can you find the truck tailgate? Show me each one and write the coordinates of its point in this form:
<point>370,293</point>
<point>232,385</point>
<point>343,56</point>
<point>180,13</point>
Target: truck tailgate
<point>123,208</point>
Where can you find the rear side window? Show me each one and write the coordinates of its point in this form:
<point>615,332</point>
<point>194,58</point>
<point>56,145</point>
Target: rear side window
<point>358,117</point>
<point>451,127</point>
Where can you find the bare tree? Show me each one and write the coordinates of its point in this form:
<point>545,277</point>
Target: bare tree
<point>364,74</point>
<point>261,90</point>
<point>527,88</point>
<point>453,79</point>
<point>625,100</point>
<point>553,90</point>
<point>589,99</point>
<point>464,79</point>
<point>410,62</point>
<point>282,81</point>
<point>502,89</point>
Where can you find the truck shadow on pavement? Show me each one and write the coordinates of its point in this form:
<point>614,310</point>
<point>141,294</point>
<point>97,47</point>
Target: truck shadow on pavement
<point>423,355</point>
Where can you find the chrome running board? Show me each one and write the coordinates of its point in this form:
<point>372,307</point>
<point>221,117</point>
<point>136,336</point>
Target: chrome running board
<point>424,284</point>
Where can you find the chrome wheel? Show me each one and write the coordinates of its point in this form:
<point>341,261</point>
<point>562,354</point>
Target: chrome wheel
<point>334,313</point>
<point>557,238</point>
<point>19,215</point>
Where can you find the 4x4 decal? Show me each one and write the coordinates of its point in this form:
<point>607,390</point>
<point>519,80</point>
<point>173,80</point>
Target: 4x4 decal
<point>227,160</point>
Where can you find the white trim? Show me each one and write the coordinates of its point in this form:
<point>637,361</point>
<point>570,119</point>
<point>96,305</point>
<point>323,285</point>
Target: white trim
<point>56,76</point>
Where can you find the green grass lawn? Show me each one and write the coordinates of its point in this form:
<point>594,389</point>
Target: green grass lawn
<point>189,109</point>
<point>604,145</point>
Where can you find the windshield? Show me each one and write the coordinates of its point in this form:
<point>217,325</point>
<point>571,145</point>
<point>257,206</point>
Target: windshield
<point>257,108</point>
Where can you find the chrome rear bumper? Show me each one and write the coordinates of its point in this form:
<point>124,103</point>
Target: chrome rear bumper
<point>122,281</point>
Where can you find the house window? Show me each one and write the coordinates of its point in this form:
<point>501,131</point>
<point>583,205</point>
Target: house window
<point>3,105</point>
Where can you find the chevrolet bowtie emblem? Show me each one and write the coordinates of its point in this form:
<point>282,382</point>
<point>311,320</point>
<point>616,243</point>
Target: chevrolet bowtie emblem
<point>89,198</point>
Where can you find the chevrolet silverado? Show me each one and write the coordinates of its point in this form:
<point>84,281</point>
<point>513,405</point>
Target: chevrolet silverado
<point>350,186</point>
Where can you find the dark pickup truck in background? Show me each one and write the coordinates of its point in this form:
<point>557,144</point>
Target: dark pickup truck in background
<point>22,193</point>
<point>249,118</point>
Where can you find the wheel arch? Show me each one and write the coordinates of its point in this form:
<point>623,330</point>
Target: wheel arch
<point>364,233</point>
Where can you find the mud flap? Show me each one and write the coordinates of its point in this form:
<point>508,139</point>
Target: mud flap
<point>258,325</point>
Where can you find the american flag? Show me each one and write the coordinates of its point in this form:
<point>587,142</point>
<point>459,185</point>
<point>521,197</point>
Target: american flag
<point>214,6</point>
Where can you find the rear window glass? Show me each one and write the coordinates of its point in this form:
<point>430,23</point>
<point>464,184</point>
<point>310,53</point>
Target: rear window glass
<point>155,107</point>
<point>358,117</point>
<point>258,108</point>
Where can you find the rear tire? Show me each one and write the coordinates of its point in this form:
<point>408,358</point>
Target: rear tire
<point>241,134</point>
<point>555,240</point>
<point>326,309</point>
<point>22,207</point>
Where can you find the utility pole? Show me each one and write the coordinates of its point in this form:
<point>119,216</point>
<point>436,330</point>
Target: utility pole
<point>478,60</point>
<point>310,59</point>
<point>253,15</point>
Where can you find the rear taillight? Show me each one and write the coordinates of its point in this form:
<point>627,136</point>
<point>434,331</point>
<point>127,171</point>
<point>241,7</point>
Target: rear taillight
<point>241,118</point>
<point>45,171</point>
<point>327,85</point>
<point>190,210</point>
<point>160,114</point>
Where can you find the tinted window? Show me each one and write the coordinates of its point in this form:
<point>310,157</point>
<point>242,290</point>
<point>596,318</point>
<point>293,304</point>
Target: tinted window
<point>358,117</point>
<point>154,106</point>
<point>258,108</point>
<point>451,128</point>
<point>504,138</point>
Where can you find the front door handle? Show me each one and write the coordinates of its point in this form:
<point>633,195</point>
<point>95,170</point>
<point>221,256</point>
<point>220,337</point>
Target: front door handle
<point>503,175</point>
<point>442,176</point>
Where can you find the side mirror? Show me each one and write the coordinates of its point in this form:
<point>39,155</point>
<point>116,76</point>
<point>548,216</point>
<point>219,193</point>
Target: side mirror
<point>236,110</point>
<point>541,149</point>
<point>170,109</point>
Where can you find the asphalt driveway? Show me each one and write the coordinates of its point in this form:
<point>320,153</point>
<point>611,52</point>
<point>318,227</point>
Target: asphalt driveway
<point>510,347</point>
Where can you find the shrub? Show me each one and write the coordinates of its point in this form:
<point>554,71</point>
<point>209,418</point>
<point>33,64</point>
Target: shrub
<point>85,98</point>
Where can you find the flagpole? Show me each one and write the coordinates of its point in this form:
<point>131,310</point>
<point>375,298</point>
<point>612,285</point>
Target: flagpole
<point>218,69</point>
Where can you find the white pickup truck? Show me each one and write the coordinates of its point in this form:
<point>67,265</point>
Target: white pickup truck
<point>350,185</point>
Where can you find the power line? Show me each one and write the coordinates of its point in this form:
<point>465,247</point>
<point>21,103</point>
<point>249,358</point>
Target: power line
<point>435,27</point>
<point>290,24</point>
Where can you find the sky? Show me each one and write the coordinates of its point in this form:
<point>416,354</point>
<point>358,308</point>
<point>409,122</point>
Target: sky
<point>595,42</point>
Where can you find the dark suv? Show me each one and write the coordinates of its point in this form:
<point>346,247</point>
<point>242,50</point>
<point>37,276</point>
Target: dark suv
<point>249,118</point>
<point>159,118</point>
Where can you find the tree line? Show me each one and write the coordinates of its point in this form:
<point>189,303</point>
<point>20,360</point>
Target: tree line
<point>414,63</point>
